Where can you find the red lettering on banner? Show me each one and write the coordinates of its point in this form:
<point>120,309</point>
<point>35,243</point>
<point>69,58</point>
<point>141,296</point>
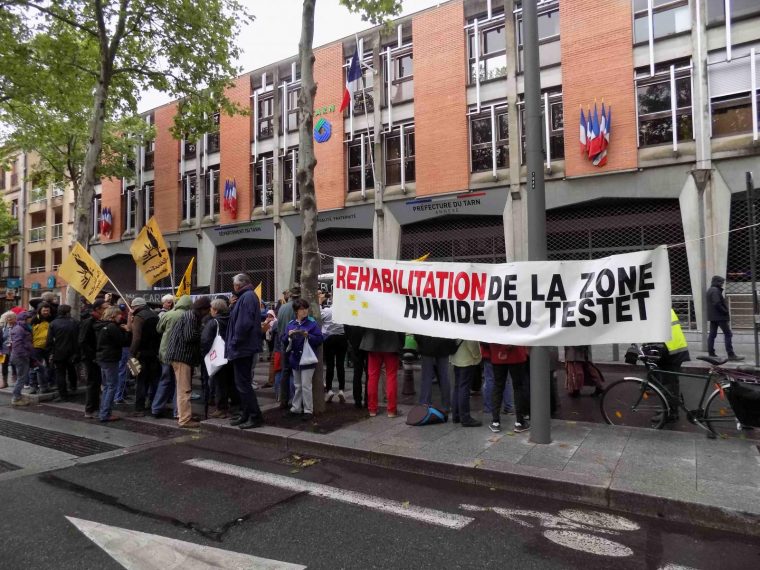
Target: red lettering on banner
<point>478,286</point>
<point>441,277</point>
<point>400,283</point>
<point>429,286</point>
<point>363,279</point>
<point>376,286</point>
<point>461,286</point>
<point>385,274</point>
<point>340,277</point>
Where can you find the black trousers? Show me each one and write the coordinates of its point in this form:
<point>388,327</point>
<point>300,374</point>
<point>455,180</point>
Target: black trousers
<point>64,369</point>
<point>287,371</point>
<point>225,392</point>
<point>672,383</point>
<point>92,401</point>
<point>147,381</point>
<point>249,404</point>
<point>335,356</point>
<point>520,386</point>
<point>359,362</point>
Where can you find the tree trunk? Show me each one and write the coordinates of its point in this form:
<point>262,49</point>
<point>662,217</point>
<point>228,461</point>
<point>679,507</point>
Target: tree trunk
<point>306,164</point>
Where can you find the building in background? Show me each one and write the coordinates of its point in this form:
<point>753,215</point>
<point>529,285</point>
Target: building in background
<point>430,159</point>
<point>11,266</point>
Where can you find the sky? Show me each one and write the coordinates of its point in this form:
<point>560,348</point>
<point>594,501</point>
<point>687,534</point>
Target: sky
<point>274,34</point>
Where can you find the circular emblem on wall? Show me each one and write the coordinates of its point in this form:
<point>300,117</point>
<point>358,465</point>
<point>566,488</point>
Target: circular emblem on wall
<point>322,130</point>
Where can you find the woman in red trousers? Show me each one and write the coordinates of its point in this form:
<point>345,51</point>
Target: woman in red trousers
<point>382,349</point>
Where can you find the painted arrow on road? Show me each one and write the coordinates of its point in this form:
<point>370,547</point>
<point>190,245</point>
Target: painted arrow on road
<point>136,550</point>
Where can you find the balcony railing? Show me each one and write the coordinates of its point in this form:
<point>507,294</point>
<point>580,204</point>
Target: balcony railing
<point>37,269</point>
<point>10,271</point>
<point>37,234</point>
<point>56,266</point>
<point>57,231</point>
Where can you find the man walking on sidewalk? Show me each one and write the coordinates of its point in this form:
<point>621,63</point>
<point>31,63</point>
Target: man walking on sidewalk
<point>243,345</point>
<point>62,343</point>
<point>719,317</point>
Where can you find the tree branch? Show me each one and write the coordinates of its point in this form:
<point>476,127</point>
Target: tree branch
<point>59,17</point>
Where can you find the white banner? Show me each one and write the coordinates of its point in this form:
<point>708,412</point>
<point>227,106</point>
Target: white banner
<point>618,299</point>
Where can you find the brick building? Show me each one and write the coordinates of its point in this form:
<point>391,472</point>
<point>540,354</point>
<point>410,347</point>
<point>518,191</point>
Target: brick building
<point>431,158</point>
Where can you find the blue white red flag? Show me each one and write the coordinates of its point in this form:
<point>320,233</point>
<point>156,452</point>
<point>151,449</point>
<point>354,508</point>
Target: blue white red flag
<point>233,198</point>
<point>603,129</point>
<point>589,132</point>
<point>352,82</point>
<point>583,133</point>
<point>595,145</point>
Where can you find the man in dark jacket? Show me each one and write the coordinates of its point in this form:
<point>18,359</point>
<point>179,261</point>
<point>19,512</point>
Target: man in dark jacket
<point>358,358</point>
<point>243,345</point>
<point>144,347</point>
<point>719,317</point>
<point>63,346</point>
<point>88,340</point>
<point>184,353</point>
<point>224,379</point>
<point>284,315</point>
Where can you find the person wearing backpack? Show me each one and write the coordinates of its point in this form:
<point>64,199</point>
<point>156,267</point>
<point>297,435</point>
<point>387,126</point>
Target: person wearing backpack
<point>144,347</point>
<point>510,360</point>
<point>435,354</point>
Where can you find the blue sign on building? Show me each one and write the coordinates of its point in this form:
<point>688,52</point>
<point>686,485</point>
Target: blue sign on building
<point>322,130</point>
<point>51,282</point>
<point>13,283</point>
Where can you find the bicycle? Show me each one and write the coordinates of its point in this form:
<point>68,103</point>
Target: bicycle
<point>635,402</point>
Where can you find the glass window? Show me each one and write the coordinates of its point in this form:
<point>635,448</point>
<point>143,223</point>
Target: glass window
<point>732,115</point>
<point>716,10</point>
<point>263,174</point>
<point>548,38</point>
<point>556,127</point>
<point>211,195</point>
<point>655,110</point>
<point>481,149</point>
<point>265,128</point>
<point>669,17</point>
<point>189,149</point>
<point>289,176</point>
<point>355,173</point>
<point>128,208</point>
<point>402,81</point>
<point>364,102</point>
<point>188,197</point>
<point>149,200</point>
<point>393,160</point>
<point>490,50</point>
<point>293,95</point>
<point>213,140</point>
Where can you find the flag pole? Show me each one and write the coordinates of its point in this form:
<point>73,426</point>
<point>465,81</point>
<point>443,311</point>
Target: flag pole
<point>364,100</point>
<point>120,294</point>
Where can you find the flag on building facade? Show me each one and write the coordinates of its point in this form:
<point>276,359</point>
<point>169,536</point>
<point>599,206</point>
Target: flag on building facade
<point>603,130</point>
<point>352,81</point>
<point>151,254</point>
<point>106,223</point>
<point>233,199</point>
<point>588,132</point>
<point>584,148</point>
<point>594,146</point>
<point>186,283</point>
<point>83,273</point>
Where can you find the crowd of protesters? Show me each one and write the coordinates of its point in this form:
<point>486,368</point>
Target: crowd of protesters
<point>161,348</point>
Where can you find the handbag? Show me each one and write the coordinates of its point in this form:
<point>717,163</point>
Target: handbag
<point>215,359</point>
<point>307,355</point>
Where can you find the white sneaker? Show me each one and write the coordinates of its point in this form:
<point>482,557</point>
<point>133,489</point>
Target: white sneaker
<point>330,396</point>
<point>341,397</point>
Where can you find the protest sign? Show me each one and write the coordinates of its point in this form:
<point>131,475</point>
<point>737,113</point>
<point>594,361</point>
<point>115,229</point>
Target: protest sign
<point>151,254</point>
<point>617,299</point>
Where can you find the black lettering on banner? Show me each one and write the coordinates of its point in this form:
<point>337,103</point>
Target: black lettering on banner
<point>640,296</point>
<point>568,314</point>
<point>645,273</point>
<point>508,314</point>
<point>556,288</point>
<point>494,288</point>
<point>426,311</point>
<point>623,309</point>
<point>589,277</point>
<point>510,288</point>
<point>609,289</point>
<point>463,312</point>
<point>626,280</point>
<point>478,313</point>
<point>605,304</point>
<point>535,296</point>
<point>585,307</point>
<point>410,311</point>
<point>440,310</point>
<point>553,306</point>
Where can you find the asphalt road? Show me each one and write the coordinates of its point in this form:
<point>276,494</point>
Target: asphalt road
<point>327,515</point>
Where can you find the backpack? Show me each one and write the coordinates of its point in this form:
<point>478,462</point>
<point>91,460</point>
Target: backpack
<point>433,346</point>
<point>150,339</point>
<point>745,401</point>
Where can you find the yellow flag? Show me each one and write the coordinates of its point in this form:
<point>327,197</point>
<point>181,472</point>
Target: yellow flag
<point>83,273</point>
<point>187,278</point>
<point>151,254</point>
<point>257,290</point>
<point>423,258</point>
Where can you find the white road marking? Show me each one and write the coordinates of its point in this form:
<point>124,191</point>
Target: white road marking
<point>588,543</point>
<point>422,514</point>
<point>136,550</point>
<point>599,519</point>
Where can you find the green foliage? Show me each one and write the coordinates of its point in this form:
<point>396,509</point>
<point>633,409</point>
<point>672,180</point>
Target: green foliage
<point>373,11</point>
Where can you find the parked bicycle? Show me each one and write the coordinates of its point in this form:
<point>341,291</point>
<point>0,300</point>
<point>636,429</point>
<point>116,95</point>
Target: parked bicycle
<point>732,406</point>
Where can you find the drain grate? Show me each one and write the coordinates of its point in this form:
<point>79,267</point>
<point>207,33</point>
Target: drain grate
<point>5,466</point>
<point>66,443</point>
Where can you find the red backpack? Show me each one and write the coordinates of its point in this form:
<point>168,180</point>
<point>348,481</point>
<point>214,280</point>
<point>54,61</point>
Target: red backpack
<point>508,354</point>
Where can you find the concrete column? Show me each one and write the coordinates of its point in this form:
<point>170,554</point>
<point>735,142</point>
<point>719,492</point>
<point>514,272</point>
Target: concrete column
<point>700,94</point>
<point>285,257</point>
<point>205,263</point>
<point>386,232</point>
<point>278,120</point>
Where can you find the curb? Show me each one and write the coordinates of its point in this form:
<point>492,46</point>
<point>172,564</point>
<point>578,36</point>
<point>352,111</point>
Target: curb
<point>585,489</point>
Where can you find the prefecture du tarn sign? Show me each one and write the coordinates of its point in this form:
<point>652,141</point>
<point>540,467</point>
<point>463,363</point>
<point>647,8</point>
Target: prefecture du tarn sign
<point>618,299</point>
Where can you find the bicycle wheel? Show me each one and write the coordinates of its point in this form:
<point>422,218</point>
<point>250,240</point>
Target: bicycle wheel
<point>720,417</point>
<point>632,402</point>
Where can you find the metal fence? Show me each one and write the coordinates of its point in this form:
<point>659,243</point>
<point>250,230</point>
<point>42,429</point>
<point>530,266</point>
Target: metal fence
<point>338,243</point>
<point>254,257</point>
<point>456,238</point>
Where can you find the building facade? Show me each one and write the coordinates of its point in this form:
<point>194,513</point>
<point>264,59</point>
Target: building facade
<point>430,158</point>
<point>11,268</point>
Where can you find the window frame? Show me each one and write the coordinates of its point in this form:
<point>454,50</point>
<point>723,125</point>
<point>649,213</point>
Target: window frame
<point>403,133</point>
<point>289,170</point>
<point>211,192</point>
<point>189,195</point>
<point>671,73</point>
<point>492,113</point>
<point>549,8</point>
<point>268,100</point>
<point>264,160</point>
<point>128,209</point>
<point>474,60</point>
<point>549,99</point>
<point>664,6</point>
<point>364,141</point>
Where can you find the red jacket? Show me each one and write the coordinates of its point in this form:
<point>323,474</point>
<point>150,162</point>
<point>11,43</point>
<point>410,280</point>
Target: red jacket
<point>508,354</point>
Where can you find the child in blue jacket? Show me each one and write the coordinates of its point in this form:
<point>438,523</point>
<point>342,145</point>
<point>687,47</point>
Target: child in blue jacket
<point>296,332</point>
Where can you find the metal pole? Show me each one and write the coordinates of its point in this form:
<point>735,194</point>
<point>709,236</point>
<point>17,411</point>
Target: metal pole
<point>539,356</point>
<point>173,244</point>
<point>752,261</point>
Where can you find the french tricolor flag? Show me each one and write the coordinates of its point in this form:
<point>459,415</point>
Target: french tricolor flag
<point>352,82</point>
<point>584,145</point>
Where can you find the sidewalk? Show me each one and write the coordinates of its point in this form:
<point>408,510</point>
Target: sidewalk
<point>680,477</point>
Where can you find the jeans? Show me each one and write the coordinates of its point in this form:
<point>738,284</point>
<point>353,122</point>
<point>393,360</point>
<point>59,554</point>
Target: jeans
<point>92,402</point>
<point>335,355</point>
<point>40,374</point>
<point>110,373</point>
<point>521,385</point>
<point>249,404</point>
<point>147,380</point>
<point>461,402</point>
<point>359,362</point>
<point>724,326</point>
<point>375,361</point>
<point>22,372</point>
<point>64,368</point>
<point>165,391</point>
<point>184,375</point>
<point>437,366</point>
<point>121,388</point>
<point>508,397</point>
<point>304,396</point>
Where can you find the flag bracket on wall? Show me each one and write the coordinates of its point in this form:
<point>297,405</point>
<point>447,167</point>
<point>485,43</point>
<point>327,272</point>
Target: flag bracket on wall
<point>595,133</point>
